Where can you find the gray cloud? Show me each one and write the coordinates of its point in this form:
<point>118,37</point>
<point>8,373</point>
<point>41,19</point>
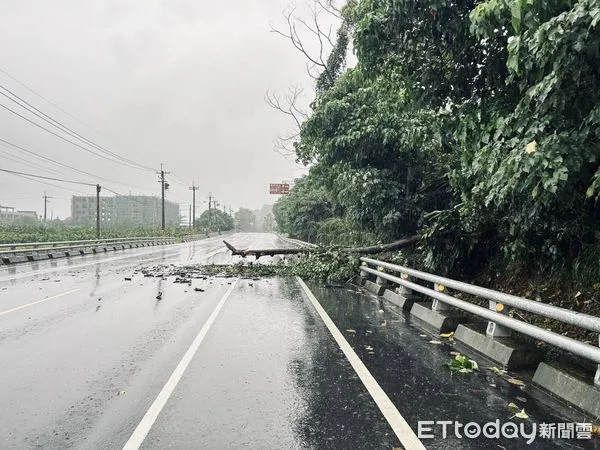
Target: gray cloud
<point>179,82</point>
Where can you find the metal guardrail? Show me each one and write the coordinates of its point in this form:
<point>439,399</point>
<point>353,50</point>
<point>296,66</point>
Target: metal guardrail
<point>45,247</point>
<point>495,316</point>
<point>33,250</point>
<point>194,237</point>
<point>298,242</point>
<point>34,245</point>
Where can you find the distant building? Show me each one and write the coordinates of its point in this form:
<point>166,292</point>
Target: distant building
<point>8,214</point>
<point>126,210</point>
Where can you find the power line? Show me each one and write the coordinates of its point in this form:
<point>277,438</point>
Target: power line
<point>63,128</point>
<point>49,184</point>
<point>34,178</point>
<point>54,134</point>
<point>63,111</point>
<point>37,155</point>
<point>27,164</point>
<point>55,123</point>
<point>130,197</point>
<point>61,137</point>
<point>50,102</point>
<point>46,178</point>
<point>178,180</point>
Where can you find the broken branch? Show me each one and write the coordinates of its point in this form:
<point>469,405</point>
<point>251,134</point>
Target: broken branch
<point>396,245</point>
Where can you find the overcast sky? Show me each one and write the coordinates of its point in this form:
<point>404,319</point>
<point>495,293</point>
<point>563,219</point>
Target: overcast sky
<point>179,82</point>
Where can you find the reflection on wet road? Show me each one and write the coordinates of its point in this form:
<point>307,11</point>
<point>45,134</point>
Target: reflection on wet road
<point>268,376</point>
<point>91,346</point>
<point>411,370</point>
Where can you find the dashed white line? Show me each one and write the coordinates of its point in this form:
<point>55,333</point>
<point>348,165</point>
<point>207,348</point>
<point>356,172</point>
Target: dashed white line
<point>141,431</point>
<point>405,434</point>
<point>38,302</point>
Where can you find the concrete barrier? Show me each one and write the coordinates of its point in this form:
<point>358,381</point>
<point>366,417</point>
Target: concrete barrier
<point>507,351</point>
<point>444,321</point>
<point>15,259</point>
<point>574,387</point>
<point>497,337</point>
<point>375,288</point>
<point>437,315</point>
<point>94,248</point>
<point>39,257</point>
<point>404,301</point>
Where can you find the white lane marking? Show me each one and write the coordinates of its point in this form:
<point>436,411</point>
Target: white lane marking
<point>402,430</point>
<point>141,431</point>
<point>38,302</point>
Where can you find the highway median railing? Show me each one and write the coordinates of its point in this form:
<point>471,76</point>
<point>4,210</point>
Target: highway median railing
<point>297,242</point>
<point>431,302</point>
<point>37,251</point>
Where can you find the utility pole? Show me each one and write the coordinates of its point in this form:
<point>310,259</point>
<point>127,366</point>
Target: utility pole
<point>216,204</point>
<point>45,206</point>
<point>190,217</point>
<point>194,188</point>
<point>163,187</point>
<point>98,189</point>
<point>209,211</point>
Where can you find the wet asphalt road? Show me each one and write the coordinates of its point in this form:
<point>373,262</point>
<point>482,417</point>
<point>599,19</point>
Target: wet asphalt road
<point>86,353</point>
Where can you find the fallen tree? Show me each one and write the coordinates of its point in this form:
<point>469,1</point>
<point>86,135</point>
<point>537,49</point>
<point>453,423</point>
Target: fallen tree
<point>380,248</point>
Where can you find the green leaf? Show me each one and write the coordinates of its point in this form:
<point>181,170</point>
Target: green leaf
<point>590,191</point>
<point>498,371</point>
<point>521,414</point>
<point>515,10</point>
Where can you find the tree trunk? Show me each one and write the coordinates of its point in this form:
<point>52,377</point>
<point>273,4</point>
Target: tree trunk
<point>396,245</point>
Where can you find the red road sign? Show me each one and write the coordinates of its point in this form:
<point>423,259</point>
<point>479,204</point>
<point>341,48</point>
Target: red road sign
<point>279,188</point>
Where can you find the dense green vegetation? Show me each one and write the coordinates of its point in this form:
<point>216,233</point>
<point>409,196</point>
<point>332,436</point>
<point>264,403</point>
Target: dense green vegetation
<point>473,123</point>
<point>214,220</point>
<point>11,234</point>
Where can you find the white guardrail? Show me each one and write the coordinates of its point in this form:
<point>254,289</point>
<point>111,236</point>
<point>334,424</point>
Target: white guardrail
<point>496,314</point>
<point>36,251</point>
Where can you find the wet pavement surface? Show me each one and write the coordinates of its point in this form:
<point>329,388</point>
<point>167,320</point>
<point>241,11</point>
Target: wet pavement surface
<point>86,352</point>
<point>269,376</point>
<point>412,372</point>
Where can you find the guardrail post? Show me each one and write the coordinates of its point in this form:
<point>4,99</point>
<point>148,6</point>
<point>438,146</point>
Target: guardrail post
<point>437,305</point>
<point>403,290</point>
<point>493,329</point>
<point>363,274</point>
<point>597,377</point>
<point>381,281</point>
